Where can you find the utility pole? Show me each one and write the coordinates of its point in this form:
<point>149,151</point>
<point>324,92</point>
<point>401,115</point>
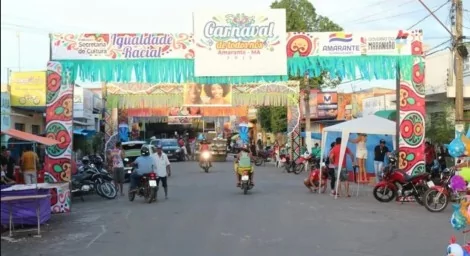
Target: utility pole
<point>307,103</point>
<point>458,61</point>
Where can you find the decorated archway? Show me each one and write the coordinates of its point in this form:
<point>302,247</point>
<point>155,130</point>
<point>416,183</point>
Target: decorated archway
<point>158,59</point>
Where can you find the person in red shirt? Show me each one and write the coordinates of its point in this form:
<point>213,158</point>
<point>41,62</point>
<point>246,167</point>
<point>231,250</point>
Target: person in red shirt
<point>334,158</point>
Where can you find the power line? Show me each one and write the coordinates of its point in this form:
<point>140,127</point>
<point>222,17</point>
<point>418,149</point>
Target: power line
<point>391,16</point>
<point>377,13</point>
<point>431,51</point>
<point>429,15</point>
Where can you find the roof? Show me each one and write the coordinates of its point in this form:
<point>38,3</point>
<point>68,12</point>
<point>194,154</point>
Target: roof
<point>30,137</point>
<point>369,125</point>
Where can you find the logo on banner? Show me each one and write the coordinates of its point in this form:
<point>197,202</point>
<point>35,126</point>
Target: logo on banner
<point>340,37</point>
<point>302,45</point>
<point>239,35</point>
<point>341,43</point>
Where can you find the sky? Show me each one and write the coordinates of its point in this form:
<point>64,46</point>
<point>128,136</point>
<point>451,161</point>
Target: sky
<point>25,24</point>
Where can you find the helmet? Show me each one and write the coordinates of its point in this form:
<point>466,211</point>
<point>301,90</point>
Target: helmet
<point>85,160</point>
<point>144,151</point>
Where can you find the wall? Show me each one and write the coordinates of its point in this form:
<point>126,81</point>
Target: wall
<point>5,115</point>
<point>83,107</point>
<point>28,118</point>
<point>436,72</point>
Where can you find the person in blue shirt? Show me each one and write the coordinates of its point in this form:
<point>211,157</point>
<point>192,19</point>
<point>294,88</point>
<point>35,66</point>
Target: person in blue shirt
<point>144,164</point>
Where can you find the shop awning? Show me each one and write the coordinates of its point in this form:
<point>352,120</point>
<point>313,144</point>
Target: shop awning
<point>387,114</point>
<point>30,137</point>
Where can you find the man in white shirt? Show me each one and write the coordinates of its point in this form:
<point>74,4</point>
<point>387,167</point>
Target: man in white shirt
<point>163,169</point>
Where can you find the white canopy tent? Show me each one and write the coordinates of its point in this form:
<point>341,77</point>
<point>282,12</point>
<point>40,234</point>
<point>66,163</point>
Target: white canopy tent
<point>369,125</point>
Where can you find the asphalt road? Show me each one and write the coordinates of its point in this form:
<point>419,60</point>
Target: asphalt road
<point>206,215</point>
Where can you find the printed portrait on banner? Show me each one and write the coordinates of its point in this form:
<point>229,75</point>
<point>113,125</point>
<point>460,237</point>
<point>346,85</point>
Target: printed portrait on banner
<point>209,95</point>
<point>185,111</point>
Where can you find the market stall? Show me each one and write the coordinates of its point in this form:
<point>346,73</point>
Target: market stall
<point>59,200</point>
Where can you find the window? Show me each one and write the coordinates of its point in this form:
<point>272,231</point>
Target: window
<point>19,127</point>
<point>35,129</point>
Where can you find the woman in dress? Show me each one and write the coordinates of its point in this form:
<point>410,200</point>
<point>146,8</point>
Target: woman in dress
<point>217,94</point>
<point>361,155</point>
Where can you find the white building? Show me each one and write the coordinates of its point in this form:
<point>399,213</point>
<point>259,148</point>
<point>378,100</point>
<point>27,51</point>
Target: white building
<point>440,82</point>
<point>85,119</point>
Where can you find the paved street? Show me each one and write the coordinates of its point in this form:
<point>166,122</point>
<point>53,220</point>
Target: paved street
<point>206,215</point>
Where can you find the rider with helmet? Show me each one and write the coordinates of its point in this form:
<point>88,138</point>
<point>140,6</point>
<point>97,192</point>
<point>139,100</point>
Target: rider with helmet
<point>204,147</point>
<point>244,163</point>
<point>144,164</point>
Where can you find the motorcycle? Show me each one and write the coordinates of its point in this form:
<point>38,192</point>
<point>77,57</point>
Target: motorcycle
<point>396,183</point>
<point>264,156</point>
<point>304,161</point>
<point>89,179</point>
<point>246,183</point>
<point>442,193</point>
<point>146,188</point>
<point>205,164</point>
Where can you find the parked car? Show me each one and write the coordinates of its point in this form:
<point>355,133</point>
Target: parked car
<point>170,147</point>
<point>131,152</point>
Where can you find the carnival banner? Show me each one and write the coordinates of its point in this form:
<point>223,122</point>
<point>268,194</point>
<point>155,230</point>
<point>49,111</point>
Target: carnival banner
<point>28,89</point>
<point>254,43</point>
<point>121,46</point>
<point>209,95</point>
<point>348,44</point>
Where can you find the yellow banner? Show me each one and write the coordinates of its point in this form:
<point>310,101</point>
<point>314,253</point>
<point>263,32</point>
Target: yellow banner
<point>28,89</point>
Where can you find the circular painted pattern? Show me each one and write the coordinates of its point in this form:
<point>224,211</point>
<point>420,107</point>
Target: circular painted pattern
<point>418,78</point>
<point>59,132</point>
<point>53,86</point>
<point>299,44</point>
<point>412,129</point>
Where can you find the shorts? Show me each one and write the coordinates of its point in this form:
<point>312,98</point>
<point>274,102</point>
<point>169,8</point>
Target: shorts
<point>163,180</point>
<point>343,175</point>
<point>361,154</point>
<point>118,174</point>
<point>30,177</point>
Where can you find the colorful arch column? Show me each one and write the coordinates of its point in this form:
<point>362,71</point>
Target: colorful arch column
<point>59,126</point>
<point>412,108</point>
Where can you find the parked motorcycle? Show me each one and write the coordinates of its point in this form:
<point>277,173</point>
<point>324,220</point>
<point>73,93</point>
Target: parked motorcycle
<point>304,161</point>
<point>396,183</point>
<point>146,188</point>
<point>442,193</point>
<point>205,164</point>
<point>89,179</point>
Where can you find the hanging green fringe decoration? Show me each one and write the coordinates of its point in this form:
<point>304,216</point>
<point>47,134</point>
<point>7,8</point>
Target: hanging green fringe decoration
<point>353,67</point>
<point>124,101</point>
<point>182,70</point>
<point>151,71</point>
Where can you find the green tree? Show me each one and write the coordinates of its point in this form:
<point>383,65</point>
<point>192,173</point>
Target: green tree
<point>301,16</point>
<point>440,126</point>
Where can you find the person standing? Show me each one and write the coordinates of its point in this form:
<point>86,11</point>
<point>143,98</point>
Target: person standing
<point>430,155</point>
<point>361,156</point>
<point>380,151</point>
<point>163,169</point>
<point>343,173</point>
<point>331,170</point>
<point>117,155</point>
<point>29,165</point>
<point>10,164</point>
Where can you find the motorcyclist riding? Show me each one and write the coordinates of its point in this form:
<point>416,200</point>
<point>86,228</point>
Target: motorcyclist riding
<point>243,163</point>
<point>204,147</point>
<point>144,164</point>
